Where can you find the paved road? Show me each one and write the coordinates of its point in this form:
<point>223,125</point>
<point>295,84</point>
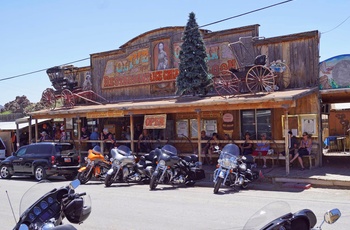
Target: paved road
<point>135,207</point>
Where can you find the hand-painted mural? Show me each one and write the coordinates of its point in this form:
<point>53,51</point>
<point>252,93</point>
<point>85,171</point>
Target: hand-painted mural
<point>335,72</point>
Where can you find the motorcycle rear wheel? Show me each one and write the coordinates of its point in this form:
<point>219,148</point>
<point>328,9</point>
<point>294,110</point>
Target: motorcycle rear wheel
<point>108,180</point>
<point>84,177</point>
<point>218,184</point>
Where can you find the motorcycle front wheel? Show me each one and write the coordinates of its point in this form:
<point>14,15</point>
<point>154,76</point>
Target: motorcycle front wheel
<point>244,185</point>
<point>154,181</point>
<point>218,184</point>
<point>108,180</point>
<point>84,176</point>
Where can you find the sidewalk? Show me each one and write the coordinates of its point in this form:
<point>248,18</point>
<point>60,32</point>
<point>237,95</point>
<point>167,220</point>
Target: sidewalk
<point>335,172</point>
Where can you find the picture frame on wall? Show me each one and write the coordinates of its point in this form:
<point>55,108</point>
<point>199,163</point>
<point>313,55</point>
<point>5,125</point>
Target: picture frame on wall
<point>293,124</point>
<point>182,128</point>
<point>308,123</point>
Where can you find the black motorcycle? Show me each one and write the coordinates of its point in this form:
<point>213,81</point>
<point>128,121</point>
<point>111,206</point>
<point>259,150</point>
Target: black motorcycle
<point>277,215</point>
<point>49,210</point>
<point>171,169</point>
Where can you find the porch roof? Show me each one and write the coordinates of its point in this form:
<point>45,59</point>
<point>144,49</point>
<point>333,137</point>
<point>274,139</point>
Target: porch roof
<point>278,99</point>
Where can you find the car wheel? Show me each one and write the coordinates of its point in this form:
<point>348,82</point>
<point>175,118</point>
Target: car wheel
<point>39,173</point>
<point>5,172</point>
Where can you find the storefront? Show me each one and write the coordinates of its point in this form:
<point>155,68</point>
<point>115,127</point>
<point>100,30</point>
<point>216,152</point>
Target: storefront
<point>140,95</point>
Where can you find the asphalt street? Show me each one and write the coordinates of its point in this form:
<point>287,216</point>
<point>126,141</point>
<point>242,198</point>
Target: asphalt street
<point>134,206</point>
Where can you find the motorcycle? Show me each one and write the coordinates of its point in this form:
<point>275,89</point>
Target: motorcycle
<point>125,169</point>
<point>49,210</point>
<point>97,165</point>
<point>304,219</point>
<point>231,171</point>
<point>171,169</point>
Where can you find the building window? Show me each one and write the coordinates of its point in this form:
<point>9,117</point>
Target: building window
<point>256,122</point>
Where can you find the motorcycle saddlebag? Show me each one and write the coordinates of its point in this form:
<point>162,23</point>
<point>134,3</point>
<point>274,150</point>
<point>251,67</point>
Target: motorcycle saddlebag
<point>197,174</point>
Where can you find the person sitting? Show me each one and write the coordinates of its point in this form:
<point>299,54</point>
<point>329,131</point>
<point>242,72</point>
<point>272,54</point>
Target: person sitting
<point>247,146</point>
<point>304,149</point>
<point>262,147</point>
<point>292,145</point>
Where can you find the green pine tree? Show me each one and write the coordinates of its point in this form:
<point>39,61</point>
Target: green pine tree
<point>193,75</point>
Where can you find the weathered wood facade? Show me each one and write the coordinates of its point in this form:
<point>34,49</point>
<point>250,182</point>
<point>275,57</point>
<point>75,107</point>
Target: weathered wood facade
<point>130,78</point>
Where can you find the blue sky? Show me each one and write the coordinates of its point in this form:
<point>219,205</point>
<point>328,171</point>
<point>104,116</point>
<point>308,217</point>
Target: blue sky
<point>39,34</point>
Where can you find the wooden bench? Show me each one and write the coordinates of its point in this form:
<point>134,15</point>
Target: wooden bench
<point>278,156</point>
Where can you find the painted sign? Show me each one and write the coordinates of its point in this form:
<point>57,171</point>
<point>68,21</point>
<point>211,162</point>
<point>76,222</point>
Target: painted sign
<point>335,72</point>
<point>114,113</point>
<point>154,121</point>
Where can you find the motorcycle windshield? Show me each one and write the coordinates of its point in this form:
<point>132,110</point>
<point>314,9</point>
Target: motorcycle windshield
<point>169,149</point>
<point>231,149</point>
<point>267,214</point>
<point>124,150</point>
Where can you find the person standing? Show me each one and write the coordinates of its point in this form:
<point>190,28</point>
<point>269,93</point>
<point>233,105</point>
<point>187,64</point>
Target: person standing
<point>94,136</point>
<point>247,146</point>
<point>143,142</point>
<point>205,145</point>
<point>85,136</point>
<point>214,141</point>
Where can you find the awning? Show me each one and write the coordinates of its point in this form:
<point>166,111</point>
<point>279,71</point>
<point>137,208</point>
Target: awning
<point>11,125</point>
<point>335,95</point>
<point>278,99</point>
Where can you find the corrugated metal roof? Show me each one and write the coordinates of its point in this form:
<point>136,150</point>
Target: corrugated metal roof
<point>11,125</point>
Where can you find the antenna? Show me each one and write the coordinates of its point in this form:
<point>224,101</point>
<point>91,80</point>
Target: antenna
<point>8,198</point>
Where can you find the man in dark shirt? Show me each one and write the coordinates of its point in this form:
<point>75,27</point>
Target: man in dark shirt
<point>85,136</point>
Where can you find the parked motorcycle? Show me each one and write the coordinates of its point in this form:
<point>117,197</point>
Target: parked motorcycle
<point>125,169</point>
<point>231,171</point>
<point>49,210</point>
<point>277,215</point>
<point>171,169</point>
<point>96,165</point>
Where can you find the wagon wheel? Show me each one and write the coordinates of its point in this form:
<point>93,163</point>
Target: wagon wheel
<point>259,78</point>
<point>283,75</point>
<point>227,84</point>
<point>49,99</point>
<point>68,98</point>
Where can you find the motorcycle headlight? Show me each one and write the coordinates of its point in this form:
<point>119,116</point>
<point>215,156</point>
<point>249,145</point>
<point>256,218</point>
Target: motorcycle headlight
<point>243,167</point>
<point>226,162</point>
<point>161,163</point>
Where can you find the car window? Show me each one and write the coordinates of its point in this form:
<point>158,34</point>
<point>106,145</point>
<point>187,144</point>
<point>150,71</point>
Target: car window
<point>2,146</point>
<point>21,151</point>
<point>39,149</point>
<point>60,148</point>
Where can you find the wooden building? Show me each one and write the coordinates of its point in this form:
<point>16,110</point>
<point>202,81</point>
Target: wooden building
<point>141,93</point>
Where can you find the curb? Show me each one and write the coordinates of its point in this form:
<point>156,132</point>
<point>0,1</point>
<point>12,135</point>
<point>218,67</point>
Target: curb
<point>312,181</point>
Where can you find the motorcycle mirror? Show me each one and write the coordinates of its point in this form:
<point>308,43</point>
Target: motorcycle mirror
<point>332,216</point>
<point>216,147</point>
<point>23,227</point>
<point>74,184</point>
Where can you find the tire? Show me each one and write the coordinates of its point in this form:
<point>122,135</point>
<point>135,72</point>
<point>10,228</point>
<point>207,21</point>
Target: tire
<point>244,185</point>
<point>5,172</point>
<point>154,182</point>
<point>39,173</point>
<point>70,176</point>
<point>217,185</point>
<point>190,183</point>
<point>108,180</point>
<point>84,177</point>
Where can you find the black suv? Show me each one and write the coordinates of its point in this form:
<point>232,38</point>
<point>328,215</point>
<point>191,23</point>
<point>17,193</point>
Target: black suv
<point>42,160</point>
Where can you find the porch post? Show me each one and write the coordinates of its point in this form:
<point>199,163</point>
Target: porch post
<point>132,133</point>
<point>198,111</point>
<point>286,140</point>
<point>30,129</point>
<point>36,130</point>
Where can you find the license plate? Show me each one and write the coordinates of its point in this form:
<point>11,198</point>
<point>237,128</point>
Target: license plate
<point>67,159</point>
